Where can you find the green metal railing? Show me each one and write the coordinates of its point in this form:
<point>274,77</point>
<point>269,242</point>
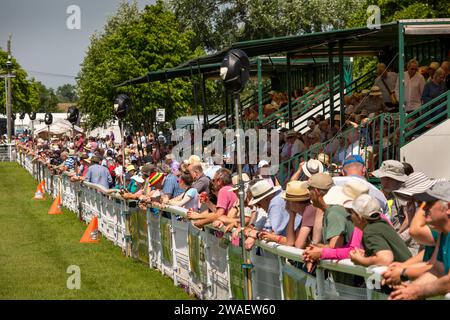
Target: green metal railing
<point>314,102</point>
<point>375,141</point>
<point>430,113</point>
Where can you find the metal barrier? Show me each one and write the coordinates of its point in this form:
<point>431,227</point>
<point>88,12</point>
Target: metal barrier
<point>7,152</point>
<point>204,262</point>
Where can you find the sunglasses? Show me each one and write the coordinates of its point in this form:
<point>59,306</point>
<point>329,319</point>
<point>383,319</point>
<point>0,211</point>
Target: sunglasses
<point>428,206</point>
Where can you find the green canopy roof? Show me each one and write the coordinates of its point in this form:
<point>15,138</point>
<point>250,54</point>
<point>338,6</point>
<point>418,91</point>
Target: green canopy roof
<point>360,41</point>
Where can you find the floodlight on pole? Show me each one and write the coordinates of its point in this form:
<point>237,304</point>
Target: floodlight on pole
<point>121,106</point>
<point>235,72</point>
<point>72,116</point>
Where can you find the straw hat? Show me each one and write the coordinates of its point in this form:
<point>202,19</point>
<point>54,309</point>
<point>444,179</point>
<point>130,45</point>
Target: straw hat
<point>375,91</point>
<point>261,190</point>
<point>296,191</point>
<point>365,92</point>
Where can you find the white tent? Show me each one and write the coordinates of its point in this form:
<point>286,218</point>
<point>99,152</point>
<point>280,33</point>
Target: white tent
<point>58,127</point>
<point>103,132</point>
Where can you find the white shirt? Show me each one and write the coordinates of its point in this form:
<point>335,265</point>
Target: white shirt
<point>413,91</point>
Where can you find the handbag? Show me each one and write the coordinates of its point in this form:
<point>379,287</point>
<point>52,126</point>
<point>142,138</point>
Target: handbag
<point>391,94</point>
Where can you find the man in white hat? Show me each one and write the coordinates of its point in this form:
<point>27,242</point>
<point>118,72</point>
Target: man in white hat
<point>307,169</point>
<point>381,244</point>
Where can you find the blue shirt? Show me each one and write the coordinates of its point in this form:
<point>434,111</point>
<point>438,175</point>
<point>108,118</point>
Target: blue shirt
<point>171,187</point>
<point>278,217</point>
<point>99,175</point>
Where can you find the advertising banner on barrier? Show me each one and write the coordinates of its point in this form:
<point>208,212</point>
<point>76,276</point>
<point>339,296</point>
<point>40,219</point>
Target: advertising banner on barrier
<point>297,284</point>
<point>237,277</point>
<point>197,262</point>
<point>166,240</point>
<point>139,235</point>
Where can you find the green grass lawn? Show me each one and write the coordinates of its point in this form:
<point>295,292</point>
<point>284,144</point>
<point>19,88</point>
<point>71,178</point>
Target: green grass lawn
<point>36,249</point>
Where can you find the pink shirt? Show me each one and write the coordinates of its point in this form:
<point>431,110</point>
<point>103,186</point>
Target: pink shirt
<point>226,199</point>
<point>343,253</point>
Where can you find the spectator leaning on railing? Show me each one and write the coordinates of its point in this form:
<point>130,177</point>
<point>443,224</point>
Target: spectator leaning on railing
<point>437,213</point>
<point>381,244</point>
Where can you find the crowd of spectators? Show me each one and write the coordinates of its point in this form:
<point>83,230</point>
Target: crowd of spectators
<point>330,214</point>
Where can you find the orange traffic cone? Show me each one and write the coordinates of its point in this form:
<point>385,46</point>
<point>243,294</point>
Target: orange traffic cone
<point>39,194</point>
<point>55,208</point>
<point>91,234</point>
<point>43,185</point>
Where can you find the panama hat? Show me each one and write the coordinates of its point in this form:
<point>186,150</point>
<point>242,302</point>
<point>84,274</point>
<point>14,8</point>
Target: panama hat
<point>234,181</point>
<point>296,191</point>
<point>392,169</point>
<point>336,196</point>
<point>311,167</point>
<point>261,190</point>
<point>417,182</point>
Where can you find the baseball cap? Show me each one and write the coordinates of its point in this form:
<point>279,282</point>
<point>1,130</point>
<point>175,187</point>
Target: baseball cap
<point>352,159</point>
<point>439,191</point>
<point>366,207</point>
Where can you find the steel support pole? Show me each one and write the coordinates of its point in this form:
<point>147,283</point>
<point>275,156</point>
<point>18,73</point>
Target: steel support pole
<point>260,91</point>
<point>401,88</point>
<point>239,147</point>
<point>341,82</point>
<point>330,82</point>
<point>288,64</point>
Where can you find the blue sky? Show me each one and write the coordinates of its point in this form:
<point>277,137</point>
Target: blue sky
<point>41,41</point>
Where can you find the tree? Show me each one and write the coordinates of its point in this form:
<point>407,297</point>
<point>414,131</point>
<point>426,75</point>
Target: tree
<point>132,44</point>
<point>24,93</point>
<point>47,98</point>
<point>67,93</point>
<point>218,23</point>
<point>392,10</point>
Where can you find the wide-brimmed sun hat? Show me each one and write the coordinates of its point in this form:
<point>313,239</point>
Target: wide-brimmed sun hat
<point>261,190</point>
<point>417,182</point>
<point>392,169</point>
